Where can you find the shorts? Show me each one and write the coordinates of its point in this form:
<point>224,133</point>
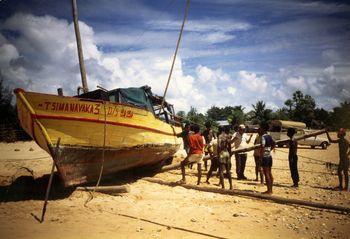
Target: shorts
<point>194,158</point>
<point>266,162</point>
<point>224,157</point>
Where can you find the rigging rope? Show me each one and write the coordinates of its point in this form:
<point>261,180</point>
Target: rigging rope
<point>144,31</point>
<point>177,48</point>
<point>103,156</point>
<point>301,156</point>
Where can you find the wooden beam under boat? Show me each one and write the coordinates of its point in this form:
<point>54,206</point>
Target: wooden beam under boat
<point>236,192</point>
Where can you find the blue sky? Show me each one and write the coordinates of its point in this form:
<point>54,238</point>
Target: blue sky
<point>233,52</point>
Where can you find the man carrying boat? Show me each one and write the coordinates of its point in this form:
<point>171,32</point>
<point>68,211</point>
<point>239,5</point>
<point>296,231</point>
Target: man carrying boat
<point>195,155</point>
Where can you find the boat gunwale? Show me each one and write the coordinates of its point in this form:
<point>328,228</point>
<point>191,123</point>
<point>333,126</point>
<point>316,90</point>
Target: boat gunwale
<point>61,117</point>
<point>18,90</point>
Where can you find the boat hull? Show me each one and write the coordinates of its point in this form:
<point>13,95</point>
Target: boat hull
<point>129,136</point>
<point>79,165</point>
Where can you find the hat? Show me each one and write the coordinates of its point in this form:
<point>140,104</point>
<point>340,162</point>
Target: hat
<point>242,126</point>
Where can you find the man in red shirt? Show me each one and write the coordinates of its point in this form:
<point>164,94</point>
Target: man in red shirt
<point>195,155</point>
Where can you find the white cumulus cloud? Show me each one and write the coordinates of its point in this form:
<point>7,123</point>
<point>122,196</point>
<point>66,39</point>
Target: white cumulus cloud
<point>252,82</point>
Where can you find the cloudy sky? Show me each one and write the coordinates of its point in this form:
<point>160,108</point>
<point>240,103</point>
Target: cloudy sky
<point>234,52</point>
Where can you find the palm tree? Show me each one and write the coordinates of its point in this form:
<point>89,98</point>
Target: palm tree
<point>260,113</point>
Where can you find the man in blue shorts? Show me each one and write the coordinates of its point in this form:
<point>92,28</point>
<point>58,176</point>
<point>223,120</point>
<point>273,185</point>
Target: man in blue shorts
<point>268,144</point>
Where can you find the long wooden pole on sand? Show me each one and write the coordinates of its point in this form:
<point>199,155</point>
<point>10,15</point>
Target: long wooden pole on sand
<point>56,155</point>
<point>234,192</point>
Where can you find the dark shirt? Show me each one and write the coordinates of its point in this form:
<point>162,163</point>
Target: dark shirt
<point>184,135</point>
<point>268,144</point>
<point>293,147</point>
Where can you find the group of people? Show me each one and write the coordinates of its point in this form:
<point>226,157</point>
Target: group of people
<point>197,145</point>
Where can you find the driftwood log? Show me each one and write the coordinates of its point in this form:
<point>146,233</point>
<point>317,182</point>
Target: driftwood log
<point>251,194</point>
<point>170,167</point>
<point>111,190</point>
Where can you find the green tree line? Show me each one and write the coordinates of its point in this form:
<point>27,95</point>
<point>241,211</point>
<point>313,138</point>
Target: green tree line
<point>300,107</point>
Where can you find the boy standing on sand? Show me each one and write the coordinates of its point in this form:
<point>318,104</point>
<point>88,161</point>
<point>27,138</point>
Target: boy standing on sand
<point>293,157</point>
<point>214,158</point>
<point>258,158</point>
<point>224,152</point>
<point>344,154</point>
<point>195,155</point>
<point>208,135</point>
<point>268,144</point>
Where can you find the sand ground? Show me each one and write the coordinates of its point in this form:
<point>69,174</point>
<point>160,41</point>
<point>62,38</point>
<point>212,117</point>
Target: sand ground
<point>151,210</point>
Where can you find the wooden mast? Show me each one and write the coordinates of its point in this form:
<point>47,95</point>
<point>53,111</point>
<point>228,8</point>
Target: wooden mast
<point>80,49</point>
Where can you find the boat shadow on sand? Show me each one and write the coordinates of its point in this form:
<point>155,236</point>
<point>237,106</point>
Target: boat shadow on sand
<point>26,187</point>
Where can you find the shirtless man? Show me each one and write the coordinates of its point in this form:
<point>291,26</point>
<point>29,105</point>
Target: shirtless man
<point>258,158</point>
<point>344,154</point>
<point>184,135</point>
<point>224,152</point>
<point>208,135</point>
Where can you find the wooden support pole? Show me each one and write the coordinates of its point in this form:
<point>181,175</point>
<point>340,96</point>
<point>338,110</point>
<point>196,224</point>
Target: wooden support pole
<point>56,155</point>
<point>79,46</point>
<point>236,192</point>
<point>111,190</point>
<point>305,136</point>
<point>243,150</point>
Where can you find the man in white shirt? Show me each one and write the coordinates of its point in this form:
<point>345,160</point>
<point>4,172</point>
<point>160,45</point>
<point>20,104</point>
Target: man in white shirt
<point>241,140</point>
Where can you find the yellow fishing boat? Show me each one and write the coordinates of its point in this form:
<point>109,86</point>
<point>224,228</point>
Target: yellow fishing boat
<point>121,129</point>
<point>101,132</point>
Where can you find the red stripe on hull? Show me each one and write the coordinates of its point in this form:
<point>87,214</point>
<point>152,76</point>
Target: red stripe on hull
<point>36,116</point>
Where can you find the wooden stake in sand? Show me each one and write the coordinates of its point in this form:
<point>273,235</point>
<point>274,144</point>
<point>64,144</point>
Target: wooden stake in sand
<point>56,155</point>
<point>243,150</point>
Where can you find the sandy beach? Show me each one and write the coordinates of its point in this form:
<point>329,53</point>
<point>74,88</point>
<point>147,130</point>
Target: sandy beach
<point>151,210</point>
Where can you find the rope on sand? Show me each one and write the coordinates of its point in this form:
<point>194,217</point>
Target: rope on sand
<point>103,157</point>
